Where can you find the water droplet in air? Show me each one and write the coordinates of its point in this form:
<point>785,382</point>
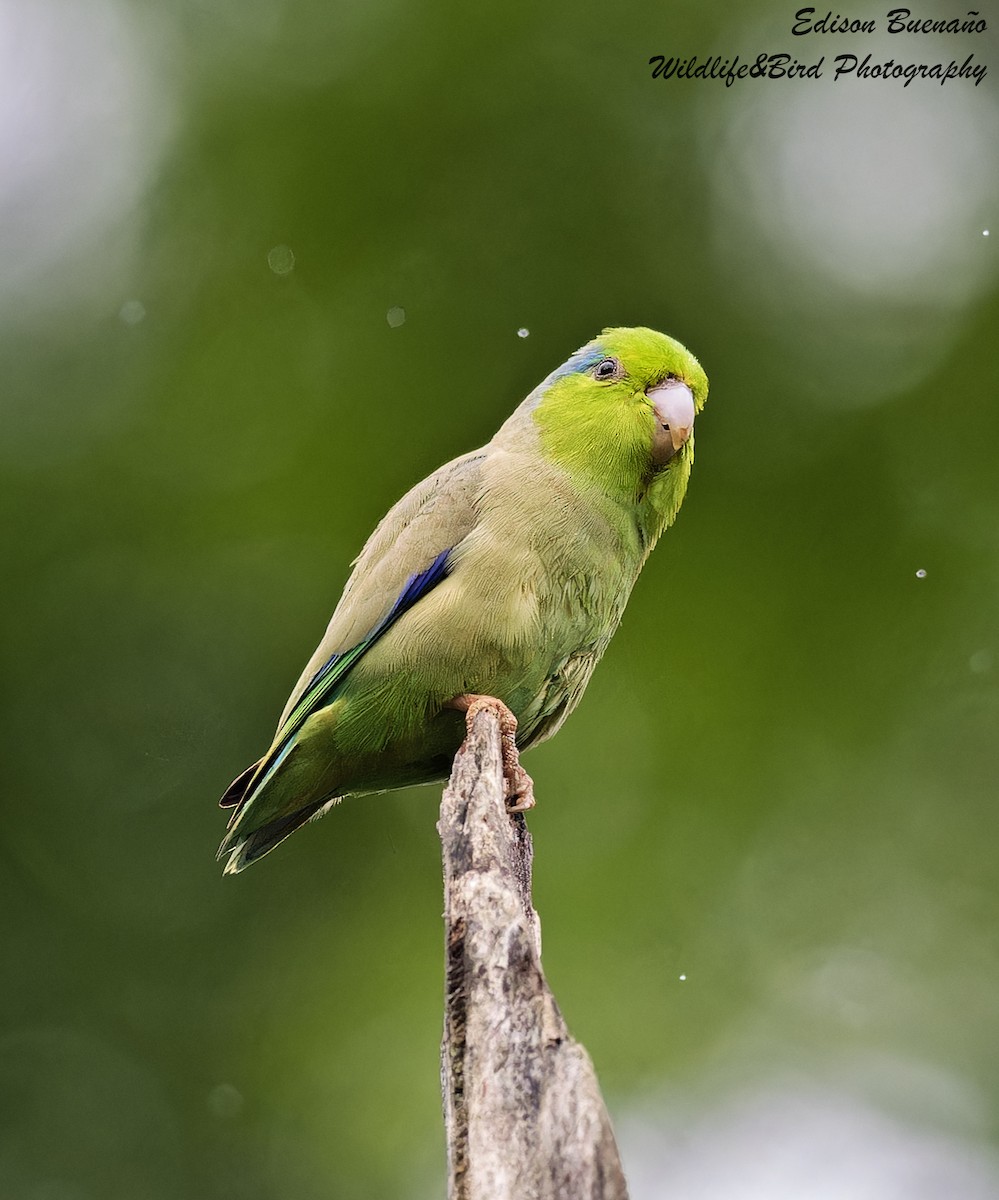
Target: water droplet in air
<point>682,978</point>
<point>396,317</point>
<point>920,574</point>
<point>281,260</point>
<point>523,332</point>
<point>985,233</point>
<point>132,312</point>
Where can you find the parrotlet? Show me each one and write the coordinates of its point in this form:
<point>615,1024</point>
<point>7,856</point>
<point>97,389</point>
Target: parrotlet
<point>498,581</point>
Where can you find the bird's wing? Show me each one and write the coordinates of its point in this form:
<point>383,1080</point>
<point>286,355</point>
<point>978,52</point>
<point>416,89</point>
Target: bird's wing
<point>405,557</point>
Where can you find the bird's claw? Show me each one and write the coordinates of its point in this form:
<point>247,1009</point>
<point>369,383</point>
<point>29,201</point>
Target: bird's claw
<point>519,785</point>
<point>519,789</point>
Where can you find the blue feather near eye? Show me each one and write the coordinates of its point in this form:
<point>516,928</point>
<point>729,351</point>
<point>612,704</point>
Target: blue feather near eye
<point>581,361</point>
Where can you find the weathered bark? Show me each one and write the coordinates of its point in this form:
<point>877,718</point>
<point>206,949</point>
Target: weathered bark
<point>523,1113</point>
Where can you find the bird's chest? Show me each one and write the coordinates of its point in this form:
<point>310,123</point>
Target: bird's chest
<point>551,604</point>
<point>544,584</point>
<point>578,624</point>
<point>552,621</point>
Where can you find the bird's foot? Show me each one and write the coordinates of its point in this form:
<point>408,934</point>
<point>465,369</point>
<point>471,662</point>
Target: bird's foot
<point>519,785</point>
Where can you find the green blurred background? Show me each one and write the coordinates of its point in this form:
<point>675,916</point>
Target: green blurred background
<point>268,263</point>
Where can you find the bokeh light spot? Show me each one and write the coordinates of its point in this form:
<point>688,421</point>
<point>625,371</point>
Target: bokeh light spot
<point>281,260</point>
<point>849,209</point>
<point>132,312</point>
<point>83,119</point>
<point>225,1101</point>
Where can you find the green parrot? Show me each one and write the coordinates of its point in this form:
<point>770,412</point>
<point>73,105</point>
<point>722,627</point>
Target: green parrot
<point>497,581</point>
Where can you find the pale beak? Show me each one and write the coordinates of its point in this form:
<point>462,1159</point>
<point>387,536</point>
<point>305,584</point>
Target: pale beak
<point>673,405</point>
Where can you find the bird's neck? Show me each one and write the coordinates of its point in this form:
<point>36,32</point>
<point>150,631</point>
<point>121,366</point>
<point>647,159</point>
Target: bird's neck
<point>662,494</point>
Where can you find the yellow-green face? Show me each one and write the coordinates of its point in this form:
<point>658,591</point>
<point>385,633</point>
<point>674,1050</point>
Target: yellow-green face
<point>622,408</point>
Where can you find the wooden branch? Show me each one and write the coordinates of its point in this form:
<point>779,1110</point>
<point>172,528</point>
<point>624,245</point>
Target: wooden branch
<point>522,1109</point>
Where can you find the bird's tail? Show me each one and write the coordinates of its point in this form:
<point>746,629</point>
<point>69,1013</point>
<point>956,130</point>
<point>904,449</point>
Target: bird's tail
<point>240,848</point>
<point>270,799</point>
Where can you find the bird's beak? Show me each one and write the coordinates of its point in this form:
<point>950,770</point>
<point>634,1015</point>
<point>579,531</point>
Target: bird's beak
<point>673,405</point>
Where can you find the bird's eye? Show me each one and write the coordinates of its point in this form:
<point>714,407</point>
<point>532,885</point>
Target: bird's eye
<point>607,368</point>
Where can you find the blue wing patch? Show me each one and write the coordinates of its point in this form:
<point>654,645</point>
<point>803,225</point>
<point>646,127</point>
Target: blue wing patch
<point>416,586</point>
<point>322,687</point>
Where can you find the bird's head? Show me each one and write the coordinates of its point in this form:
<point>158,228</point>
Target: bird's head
<point>621,410</point>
